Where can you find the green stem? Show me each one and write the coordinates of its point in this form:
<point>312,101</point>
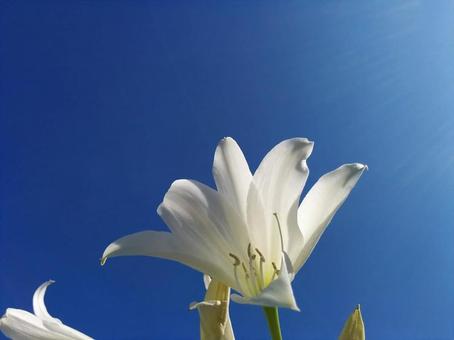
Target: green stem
<point>272,316</point>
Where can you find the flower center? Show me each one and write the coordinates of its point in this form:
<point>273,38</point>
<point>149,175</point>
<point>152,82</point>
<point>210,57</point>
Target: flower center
<point>255,273</point>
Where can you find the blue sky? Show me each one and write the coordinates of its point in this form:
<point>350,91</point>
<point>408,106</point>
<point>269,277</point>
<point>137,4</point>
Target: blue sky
<point>104,103</point>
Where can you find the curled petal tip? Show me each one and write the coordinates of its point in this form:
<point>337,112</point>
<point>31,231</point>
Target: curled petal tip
<point>226,139</point>
<point>358,166</point>
<point>361,166</point>
<point>108,252</point>
<point>307,140</point>
<point>303,141</point>
<point>159,209</point>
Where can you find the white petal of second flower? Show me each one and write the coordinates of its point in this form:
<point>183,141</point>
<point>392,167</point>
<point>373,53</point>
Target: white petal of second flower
<point>65,332</point>
<point>18,324</point>
<point>39,307</point>
<point>22,325</point>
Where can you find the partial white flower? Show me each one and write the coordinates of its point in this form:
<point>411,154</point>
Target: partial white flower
<point>214,312</point>
<point>18,324</point>
<point>354,327</point>
<point>251,233</point>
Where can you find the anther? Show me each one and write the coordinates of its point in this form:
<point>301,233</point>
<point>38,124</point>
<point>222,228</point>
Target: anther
<point>249,252</point>
<point>277,271</point>
<point>237,260</point>
<point>262,258</point>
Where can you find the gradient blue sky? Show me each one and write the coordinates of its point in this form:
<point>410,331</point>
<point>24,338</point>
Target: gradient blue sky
<point>104,103</point>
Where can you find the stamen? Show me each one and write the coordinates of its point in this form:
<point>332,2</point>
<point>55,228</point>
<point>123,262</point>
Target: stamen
<point>245,270</point>
<point>237,260</point>
<point>249,252</point>
<point>276,271</point>
<point>280,231</point>
<point>250,284</point>
<point>261,280</point>
<point>262,258</point>
<point>254,277</point>
<point>246,288</point>
<point>235,273</point>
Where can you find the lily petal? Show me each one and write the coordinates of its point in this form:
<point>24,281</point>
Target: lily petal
<point>201,216</point>
<point>49,322</point>
<point>262,233</point>
<point>231,173</point>
<point>143,243</point>
<point>280,179</point>
<point>194,211</point>
<point>39,307</point>
<point>164,245</point>
<point>18,324</point>
<point>321,203</point>
<point>65,331</point>
<point>279,293</point>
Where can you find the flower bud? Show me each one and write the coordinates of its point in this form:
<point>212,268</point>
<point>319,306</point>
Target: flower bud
<point>354,327</point>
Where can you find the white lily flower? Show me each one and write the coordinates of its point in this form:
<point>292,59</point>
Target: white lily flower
<point>251,233</point>
<point>18,324</point>
<point>214,312</point>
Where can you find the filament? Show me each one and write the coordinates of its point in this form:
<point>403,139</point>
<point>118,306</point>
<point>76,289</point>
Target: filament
<point>280,231</point>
